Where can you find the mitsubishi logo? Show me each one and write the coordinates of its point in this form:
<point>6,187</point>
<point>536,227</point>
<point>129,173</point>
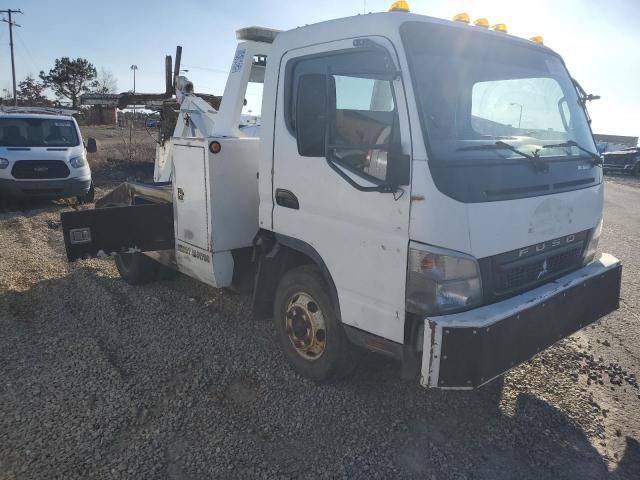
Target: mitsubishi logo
<point>544,270</point>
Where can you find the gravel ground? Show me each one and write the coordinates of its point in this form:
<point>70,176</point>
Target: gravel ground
<point>175,380</point>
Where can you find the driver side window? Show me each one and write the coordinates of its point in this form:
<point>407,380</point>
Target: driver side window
<point>362,129</point>
<point>362,103</point>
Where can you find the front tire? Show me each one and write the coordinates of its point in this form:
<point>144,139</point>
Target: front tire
<point>136,268</point>
<point>88,197</point>
<point>308,327</point>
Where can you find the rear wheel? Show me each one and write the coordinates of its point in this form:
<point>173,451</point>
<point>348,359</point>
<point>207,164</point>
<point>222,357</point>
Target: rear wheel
<point>308,328</point>
<point>136,268</point>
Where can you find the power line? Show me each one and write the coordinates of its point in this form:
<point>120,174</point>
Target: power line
<point>226,72</point>
<point>31,59</point>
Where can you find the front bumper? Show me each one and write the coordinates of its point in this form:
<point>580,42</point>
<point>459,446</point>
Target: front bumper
<point>68,187</point>
<point>468,349</point>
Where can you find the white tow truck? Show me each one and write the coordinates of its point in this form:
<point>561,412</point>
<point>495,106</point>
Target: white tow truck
<point>422,188</point>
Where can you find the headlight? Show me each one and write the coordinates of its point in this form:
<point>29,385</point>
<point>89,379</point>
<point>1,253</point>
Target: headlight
<point>78,162</point>
<point>441,281</point>
<point>4,163</point>
<point>592,246</point>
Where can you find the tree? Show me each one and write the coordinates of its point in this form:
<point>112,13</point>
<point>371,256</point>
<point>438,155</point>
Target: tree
<point>30,93</point>
<point>105,83</point>
<point>69,78</point>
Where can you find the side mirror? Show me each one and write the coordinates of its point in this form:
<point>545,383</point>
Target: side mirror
<point>311,114</point>
<point>398,167</point>
<point>92,146</point>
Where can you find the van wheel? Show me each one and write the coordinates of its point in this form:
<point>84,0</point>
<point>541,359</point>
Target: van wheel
<point>136,268</point>
<point>88,197</point>
<point>308,329</point>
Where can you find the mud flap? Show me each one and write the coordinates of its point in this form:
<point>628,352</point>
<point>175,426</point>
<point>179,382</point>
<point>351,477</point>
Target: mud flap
<point>107,231</point>
<point>469,349</point>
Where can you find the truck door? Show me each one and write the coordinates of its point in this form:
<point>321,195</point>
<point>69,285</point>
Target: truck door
<point>361,235</point>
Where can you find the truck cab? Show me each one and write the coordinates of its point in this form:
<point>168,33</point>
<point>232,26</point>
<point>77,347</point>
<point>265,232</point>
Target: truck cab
<point>42,154</point>
<point>421,188</point>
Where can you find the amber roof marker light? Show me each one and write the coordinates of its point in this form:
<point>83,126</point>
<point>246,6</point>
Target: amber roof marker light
<point>481,22</point>
<point>461,17</point>
<point>500,27</point>
<point>537,39</point>
<point>399,6</point>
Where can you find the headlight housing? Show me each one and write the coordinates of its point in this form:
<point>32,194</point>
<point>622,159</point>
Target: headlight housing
<point>592,246</point>
<point>441,281</point>
<point>4,163</point>
<point>78,162</point>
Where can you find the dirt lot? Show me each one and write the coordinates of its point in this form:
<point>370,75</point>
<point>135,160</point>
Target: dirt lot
<point>176,380</point>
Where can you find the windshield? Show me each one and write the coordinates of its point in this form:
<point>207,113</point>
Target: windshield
<point>475,89</point>
<point>37,132</point>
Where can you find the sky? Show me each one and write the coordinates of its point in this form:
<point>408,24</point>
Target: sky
<point>599,40</point>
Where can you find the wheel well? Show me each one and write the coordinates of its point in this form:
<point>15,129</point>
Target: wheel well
<point>285,254</point>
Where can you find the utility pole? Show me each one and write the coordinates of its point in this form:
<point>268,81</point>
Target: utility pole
<point>133,119</point>
<point>13,63</point>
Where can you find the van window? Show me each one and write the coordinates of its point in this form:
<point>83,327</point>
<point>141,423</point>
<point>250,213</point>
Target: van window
<point>37,132</point>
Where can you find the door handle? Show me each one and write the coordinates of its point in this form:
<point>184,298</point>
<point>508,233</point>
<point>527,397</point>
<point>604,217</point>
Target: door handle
<point>287,199</point>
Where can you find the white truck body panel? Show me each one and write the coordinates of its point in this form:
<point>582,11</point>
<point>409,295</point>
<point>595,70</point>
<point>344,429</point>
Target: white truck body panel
<point>215,204</point>
<point>191,219</point>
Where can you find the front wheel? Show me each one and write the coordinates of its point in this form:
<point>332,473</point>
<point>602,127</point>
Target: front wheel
<point>88,197</point>
<point>308,328</point>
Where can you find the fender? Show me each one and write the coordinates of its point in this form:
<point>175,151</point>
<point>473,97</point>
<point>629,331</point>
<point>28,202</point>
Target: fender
<point>309,251</point>
<point>270,269</point>
<point>274,261</point>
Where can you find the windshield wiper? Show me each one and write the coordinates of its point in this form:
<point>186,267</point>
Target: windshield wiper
<point>534,159</point>
<point>595,158</point>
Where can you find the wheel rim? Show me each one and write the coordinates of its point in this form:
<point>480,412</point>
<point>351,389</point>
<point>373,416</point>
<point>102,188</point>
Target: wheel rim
<point>305,326</point>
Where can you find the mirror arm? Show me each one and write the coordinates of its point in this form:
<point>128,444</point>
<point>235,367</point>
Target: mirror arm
<point>356,185</point>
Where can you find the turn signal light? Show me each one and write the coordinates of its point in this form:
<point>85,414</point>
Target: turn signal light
<point>500,27</point>
<point>461,17</point>
<point>537,39</point>
<point>399,6</point>
<point>482,22</point>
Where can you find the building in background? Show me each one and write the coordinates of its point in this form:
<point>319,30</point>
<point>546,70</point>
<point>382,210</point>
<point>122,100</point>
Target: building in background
<point>103,108</point>
<point>613,143</point>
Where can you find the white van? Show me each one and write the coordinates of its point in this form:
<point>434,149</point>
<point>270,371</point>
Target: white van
<point>43,155</point>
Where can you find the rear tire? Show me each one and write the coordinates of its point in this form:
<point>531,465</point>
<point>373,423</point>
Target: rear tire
<point>308,327</point>
<point>136,268</point>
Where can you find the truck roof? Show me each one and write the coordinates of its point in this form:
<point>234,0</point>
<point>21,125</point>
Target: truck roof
<point>380,24</point>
